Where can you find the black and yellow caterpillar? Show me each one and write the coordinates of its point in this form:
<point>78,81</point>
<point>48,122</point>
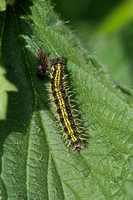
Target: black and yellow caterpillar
<point>55,69</point>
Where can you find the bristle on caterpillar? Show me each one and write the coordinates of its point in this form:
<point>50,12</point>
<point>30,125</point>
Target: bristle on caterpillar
<point>55,69</point>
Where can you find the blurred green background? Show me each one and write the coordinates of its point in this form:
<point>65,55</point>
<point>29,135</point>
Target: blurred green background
<point>105,28</point>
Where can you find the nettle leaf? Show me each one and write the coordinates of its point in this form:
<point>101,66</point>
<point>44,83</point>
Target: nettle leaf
<point>35,163</point>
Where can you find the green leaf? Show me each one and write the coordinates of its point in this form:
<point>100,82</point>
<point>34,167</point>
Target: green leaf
<point>35,163</point>
<point>2,5</point>
<point>118,18</point>
<point>130,190</point>
<point>5,87</point>
<point>110,51</point>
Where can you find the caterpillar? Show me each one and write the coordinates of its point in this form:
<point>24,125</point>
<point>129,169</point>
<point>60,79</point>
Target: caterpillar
<point>55,69</point>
